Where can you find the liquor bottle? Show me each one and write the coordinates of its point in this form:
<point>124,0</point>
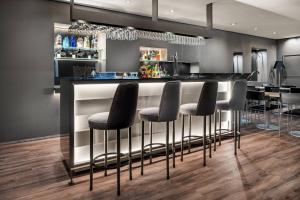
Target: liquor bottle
<point>94,44</point>
<point>79,42</point>
<point>66,43</point>
<point>73,41</point>
<point>86,42</point>
<point>58,41</point>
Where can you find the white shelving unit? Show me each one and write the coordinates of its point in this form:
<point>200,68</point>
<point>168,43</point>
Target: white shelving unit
<point>93,98</point>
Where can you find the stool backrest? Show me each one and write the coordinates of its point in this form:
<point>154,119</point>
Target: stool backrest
<point>208,97</point>
<point>170,101</point>
<point>290,98</point>
<point>123,108</point>
<point>238,95</point>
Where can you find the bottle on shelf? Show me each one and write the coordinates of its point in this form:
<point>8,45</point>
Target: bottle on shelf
<point>86,42</point>
<point>73,41</point>
<point>94,44</point>
<point>58,41</point>
<point>79,42</point>
<point>66,42</point>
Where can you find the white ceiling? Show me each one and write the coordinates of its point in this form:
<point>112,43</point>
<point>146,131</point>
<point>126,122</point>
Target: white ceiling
<point>267,18</point>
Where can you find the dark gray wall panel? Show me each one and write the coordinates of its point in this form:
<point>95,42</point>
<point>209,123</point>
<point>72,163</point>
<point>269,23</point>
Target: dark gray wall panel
<point>28,106</point>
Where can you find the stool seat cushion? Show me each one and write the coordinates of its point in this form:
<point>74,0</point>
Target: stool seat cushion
<point>99,121</point>
<point>223,105</point>
<point>149,114</point>
<point>188,109</point>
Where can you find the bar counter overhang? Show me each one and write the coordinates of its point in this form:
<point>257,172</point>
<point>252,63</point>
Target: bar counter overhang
<point>82,98</point>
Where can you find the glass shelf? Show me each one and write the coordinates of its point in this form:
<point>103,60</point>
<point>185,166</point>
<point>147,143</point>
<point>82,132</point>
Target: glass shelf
<point>76,48</point>
<point>77,59</point>
<point>164,61</point>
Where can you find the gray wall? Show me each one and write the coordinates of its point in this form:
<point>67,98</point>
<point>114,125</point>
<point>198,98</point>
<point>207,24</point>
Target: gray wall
<point>290,47</point>
<point>28,106</point>
<point>214,57</point>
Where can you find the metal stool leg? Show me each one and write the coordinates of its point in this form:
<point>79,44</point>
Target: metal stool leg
<point>204,140</point>
<point>173,144</point>
<point>71,177</point>
<point>220,126</point>
<point>142,149</point>
<point>235,130</point>
<point>91,157</point>
<point>105,151</point>
<point>239,130</point>
<point>150,132</point>
<point>215,134</point>
<point>167,150</point>
<point>209,133</point>
<point>118,163</point>
<point>182,138</point>
<point>129,153</point>
<point>190,133</point>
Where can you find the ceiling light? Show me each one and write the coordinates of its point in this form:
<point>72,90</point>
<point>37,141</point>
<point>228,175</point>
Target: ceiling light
<point>128,1</point>
<point>255,28</point>
<point>233,24</point>
<point>172,11</point>
<point>274,33</point>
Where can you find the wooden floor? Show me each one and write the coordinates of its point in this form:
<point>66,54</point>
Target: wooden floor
<point>266,167</point>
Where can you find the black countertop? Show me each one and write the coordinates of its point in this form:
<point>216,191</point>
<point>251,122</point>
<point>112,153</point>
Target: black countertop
<point>199,77</point>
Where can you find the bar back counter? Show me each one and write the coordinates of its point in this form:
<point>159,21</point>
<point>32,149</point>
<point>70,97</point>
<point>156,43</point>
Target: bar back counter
<point>82,98</point>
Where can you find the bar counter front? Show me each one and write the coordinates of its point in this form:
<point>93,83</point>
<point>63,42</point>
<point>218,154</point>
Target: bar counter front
<point>81,98</point>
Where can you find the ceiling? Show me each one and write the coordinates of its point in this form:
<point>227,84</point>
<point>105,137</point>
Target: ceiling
<point>274,19</point>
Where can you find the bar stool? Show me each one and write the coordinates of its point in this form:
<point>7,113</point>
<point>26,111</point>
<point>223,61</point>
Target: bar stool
<point>290,99</point>
<point>236,103</point>
<point>205,107</point>
<point>254,99</point>
<point>120,116</point>
<point>166,112</point>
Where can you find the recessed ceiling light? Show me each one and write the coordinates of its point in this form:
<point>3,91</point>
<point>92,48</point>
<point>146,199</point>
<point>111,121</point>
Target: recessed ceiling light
<point>255,28</point>
<point>274,32</point>
<point>233,24</point>
<point>172,11</point>
<point>128,1</point>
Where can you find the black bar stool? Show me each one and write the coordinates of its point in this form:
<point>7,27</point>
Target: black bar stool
<point>205,107</point>
<point>166,112</point>
<point>120,116</point>
<point>236,104</point>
